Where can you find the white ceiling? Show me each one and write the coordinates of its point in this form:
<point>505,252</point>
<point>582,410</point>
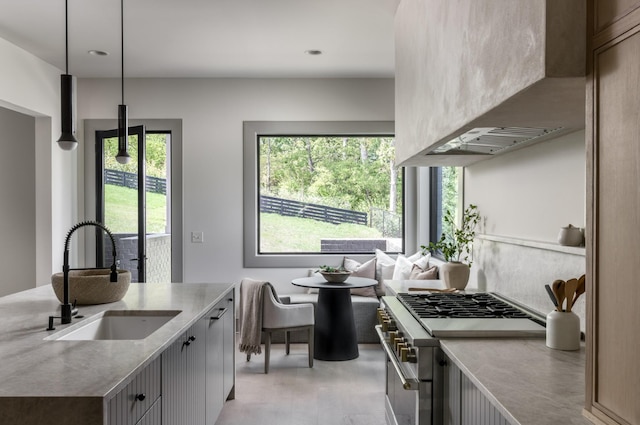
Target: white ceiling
<point>208,38</point>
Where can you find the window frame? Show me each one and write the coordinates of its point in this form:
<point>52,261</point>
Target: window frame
<point>251,190</point>
<point>435,204</point>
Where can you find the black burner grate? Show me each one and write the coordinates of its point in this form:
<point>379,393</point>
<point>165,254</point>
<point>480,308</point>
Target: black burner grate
<point>478,305</point>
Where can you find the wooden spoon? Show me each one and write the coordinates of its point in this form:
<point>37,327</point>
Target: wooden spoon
<point>570,287</point>
<point>433,289</point>
<point>580,289</point>
<point>558,290</point>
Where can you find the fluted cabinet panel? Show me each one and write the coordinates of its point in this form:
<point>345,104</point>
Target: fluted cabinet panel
<point>451,394</point>
<point>153,415</point>
<point>476,409</point>
<point>183,365</point>
<point>131,404</point>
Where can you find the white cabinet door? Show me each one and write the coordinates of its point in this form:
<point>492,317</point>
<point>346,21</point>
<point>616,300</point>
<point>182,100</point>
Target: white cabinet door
<point>183,380</point>
<point>133,401</point>
<point>464,403</point>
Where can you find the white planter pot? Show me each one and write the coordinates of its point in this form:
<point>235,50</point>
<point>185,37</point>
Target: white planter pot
<point>455,274</point>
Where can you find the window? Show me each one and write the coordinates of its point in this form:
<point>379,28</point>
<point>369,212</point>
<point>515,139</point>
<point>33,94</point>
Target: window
<point>445,195</point>
<point>319,189</point>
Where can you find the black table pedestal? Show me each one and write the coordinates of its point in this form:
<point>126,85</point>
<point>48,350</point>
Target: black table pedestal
<point>335,328</point>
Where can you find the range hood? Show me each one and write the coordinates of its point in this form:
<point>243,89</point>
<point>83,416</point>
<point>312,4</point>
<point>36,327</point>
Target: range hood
<point>482,143</point>
<point>493,140</point>
<point>479,78</point>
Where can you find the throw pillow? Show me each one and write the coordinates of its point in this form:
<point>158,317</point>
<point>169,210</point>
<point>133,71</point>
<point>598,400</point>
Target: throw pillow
<point>384,270</point>
<point>404,265</point>
<point>403,268</point>
<point>367,269</point>
<point>417,273</point>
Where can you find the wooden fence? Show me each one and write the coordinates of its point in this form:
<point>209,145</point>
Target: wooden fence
<point>291,208</point>
<point>130,180</point>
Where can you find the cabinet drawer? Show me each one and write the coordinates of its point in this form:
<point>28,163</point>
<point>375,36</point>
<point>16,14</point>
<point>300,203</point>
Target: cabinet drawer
<point>153,415</point>
<point>130,404</point>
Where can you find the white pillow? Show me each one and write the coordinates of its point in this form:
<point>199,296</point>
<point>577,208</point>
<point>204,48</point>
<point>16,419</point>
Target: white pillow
<point>423,261</point>
<point>384,266</point>
<point>404,265</point>
<point>414,257</point>
<point>402,269</point>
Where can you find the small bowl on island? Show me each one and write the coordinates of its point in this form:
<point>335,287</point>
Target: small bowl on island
<point>334,274</point>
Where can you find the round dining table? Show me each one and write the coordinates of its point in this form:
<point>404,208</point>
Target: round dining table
<point>335,328</point>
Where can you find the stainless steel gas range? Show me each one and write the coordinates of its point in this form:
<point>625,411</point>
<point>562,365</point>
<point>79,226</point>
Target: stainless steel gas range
<point>411,325</point>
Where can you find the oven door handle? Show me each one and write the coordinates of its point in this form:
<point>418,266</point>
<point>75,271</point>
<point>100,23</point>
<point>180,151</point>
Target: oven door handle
<point>407,383</point>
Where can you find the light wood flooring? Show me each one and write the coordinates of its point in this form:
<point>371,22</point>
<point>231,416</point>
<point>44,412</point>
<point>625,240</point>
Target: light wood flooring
<point>331,393</point>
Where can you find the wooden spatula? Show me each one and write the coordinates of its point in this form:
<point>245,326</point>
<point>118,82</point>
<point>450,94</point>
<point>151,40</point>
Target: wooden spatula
<point>570,287</point>
<point>580,289</point>
<point>558,290</point>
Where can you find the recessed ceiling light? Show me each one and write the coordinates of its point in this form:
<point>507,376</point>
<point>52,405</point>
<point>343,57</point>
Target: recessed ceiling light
<point>313,52</point>
<point>98,53</point>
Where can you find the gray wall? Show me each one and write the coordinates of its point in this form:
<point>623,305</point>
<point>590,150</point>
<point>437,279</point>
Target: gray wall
<point>525,197</point>
<point>17,202</point>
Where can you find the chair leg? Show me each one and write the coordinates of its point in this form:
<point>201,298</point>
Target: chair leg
<point>286,342</point>
<point>248,357</point>
<point>311,336</point>
<point>267,351</point>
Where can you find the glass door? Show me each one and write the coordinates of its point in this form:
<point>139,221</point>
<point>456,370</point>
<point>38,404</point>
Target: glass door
<point>133,202</point>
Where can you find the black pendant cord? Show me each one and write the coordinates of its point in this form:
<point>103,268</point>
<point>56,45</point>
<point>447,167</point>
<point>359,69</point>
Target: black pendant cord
<point>66,36</point>
<point>121,46</point>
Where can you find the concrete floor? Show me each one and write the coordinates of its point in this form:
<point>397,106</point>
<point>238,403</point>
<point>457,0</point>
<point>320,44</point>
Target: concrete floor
<point>331,393</point>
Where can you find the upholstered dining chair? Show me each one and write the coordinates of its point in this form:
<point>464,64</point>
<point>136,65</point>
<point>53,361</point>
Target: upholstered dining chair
<point>263,312</point>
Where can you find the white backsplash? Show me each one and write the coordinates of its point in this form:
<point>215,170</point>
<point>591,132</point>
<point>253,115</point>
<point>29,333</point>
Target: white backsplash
<point>520,270</point>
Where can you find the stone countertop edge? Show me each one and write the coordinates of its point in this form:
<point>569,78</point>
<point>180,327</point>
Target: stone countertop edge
<point>33,367</point>
<point>526,381</point>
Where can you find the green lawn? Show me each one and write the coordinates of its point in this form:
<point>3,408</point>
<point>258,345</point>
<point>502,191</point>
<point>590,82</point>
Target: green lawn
<point>293,234</point>
<point>121,205</point>
<point>279,233</point>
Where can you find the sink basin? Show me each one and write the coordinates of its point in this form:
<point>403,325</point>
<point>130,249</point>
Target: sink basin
<point>119,325</point>
<point>92,286</point>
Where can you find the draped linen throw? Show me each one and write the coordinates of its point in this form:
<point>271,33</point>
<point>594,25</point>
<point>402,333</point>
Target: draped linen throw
<point>251,302</point>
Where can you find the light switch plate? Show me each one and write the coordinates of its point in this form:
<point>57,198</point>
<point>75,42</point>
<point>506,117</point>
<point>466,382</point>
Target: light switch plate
<point>197,237</point>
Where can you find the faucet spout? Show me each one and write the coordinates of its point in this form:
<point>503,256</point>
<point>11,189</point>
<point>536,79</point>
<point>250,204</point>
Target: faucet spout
<point>66,307</point>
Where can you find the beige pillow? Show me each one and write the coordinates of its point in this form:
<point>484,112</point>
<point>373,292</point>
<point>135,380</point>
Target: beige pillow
<point>367,269</point>
<point>418,273</point>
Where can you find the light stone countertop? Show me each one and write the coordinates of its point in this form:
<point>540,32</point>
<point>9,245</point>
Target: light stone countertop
<point>33,367</point>
<point>528,382</point>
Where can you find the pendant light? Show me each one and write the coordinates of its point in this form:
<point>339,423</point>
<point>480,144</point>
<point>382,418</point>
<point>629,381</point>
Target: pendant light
<point>123,127</point>
<point>67,140</point>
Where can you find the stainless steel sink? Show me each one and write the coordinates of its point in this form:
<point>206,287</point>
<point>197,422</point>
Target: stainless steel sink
<point>117,325</point>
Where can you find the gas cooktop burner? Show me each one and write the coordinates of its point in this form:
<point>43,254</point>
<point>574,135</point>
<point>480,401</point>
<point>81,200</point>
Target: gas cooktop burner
<point>478,305</point>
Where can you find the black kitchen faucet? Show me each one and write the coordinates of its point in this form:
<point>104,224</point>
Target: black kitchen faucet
<point>69,310</point>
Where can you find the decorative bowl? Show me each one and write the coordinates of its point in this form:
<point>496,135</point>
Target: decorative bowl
<point>335,277</point>
<point>92,286</point>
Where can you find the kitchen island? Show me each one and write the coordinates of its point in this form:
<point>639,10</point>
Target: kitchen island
<point>72,382</point>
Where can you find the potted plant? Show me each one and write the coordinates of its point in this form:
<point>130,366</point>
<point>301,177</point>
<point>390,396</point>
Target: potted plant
<point>455,245</point>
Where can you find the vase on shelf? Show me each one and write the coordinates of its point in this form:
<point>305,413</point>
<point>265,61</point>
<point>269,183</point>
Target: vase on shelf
<point>455,274</point>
